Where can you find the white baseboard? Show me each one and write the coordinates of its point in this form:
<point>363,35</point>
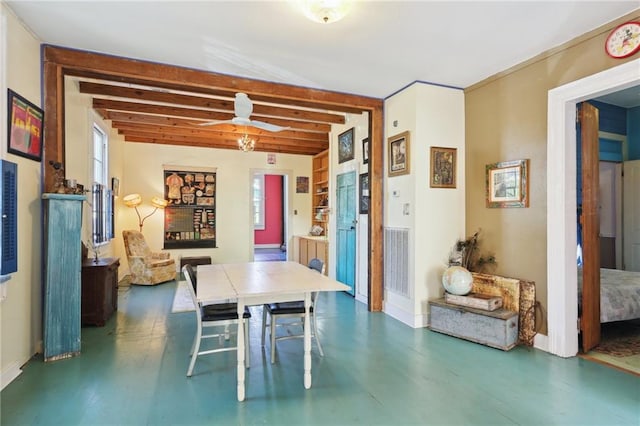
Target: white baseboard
<point>259,246</point>
<point>540,341</point>
<point>9,374</point>
<point>402,316</point>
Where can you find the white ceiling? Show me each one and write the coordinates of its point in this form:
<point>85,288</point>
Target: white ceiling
<point>379,48</point>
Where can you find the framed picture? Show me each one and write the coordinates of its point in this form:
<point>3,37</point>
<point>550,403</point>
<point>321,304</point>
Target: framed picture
<point>115,186</point>
<point>399,154</point>
<point>25,127</point>
<point>508,184</point>
<point>302,184</point>
<point>364,193</point>
<point>345,146</point>
<point>365,151</point>
<point>443,167</point>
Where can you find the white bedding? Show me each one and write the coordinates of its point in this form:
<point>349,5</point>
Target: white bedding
<point>619,294</point>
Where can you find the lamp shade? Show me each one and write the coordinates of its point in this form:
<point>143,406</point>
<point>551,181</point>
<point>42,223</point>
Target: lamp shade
<point>159,203</point>
<point>132,200</point>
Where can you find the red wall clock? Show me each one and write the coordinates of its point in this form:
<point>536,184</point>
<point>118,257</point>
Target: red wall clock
<point>624,40</point>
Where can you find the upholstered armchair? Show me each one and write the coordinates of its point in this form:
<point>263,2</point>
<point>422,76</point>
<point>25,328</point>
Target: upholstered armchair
<point>146,267</point>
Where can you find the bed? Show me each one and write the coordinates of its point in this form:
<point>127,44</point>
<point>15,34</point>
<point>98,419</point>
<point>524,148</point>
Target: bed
<point>619,294</point>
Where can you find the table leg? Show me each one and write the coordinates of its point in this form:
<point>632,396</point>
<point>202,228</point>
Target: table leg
<point>240,351</point>
<point>307,341</point>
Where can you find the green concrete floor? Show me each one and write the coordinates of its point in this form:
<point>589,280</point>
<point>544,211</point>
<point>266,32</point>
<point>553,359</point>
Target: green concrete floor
<point>375,371</point>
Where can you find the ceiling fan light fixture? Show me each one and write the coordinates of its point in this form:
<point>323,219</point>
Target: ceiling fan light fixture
<point>325,11</point>
<point>246,144</point>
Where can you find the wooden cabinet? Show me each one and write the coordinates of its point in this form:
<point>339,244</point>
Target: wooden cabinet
<point>311,247</point>
<point>99,290</point>
<point>61,315</point>
<point>320,189</point>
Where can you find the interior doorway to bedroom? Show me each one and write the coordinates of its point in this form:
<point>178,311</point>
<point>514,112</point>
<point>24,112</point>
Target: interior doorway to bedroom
<point>270,216</point>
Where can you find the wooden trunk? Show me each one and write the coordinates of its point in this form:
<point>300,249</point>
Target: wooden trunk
<point>498,329</point>
<point>99,290</point>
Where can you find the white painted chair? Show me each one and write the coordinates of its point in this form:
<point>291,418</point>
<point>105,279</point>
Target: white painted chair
<point>291,310</point>
<point>214,315</point>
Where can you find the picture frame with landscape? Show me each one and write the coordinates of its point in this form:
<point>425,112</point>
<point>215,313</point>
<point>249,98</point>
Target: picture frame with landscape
<point>507,184</point>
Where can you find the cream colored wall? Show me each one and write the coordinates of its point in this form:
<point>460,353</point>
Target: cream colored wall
<point>143,174</point>
<point>507,120</point>
<point>20,312</point>
<point>79,120</point>
<point>434,116</point>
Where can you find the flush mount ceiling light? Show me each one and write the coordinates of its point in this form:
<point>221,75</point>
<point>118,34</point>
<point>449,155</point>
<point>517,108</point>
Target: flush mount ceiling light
<point>325,11</point>
<point>246,144</point>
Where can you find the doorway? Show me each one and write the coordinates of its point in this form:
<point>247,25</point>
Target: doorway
<point>346,230</point>
<point>270,215</point>
<point>562,339</point>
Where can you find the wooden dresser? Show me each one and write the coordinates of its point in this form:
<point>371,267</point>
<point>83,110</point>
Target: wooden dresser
<point>99,290</point>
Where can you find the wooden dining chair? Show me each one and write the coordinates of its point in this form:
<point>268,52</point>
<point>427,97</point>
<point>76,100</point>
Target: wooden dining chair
<point>214,315</point>
<point>291,310</point>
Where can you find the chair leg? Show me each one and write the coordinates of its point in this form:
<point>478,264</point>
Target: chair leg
<point>247,350</point>
<point>272,330</point>
<point>196,349</point>
<point>315,333</point>
<point>264,323</point>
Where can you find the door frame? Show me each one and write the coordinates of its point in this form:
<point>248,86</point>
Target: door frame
<point>562,280</point>
<point>287,211</point>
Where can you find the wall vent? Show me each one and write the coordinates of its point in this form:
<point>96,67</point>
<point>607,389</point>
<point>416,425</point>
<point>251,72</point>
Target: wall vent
<point>396,260</point>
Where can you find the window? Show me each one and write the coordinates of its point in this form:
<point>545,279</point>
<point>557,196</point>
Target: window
<point>102,198</point>
<point>258,202</point>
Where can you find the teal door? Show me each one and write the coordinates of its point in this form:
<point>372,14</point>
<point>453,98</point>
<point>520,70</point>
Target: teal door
<point>346,231</point>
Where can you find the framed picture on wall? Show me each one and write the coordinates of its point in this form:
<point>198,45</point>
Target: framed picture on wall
<point>507,184</point>
<point>345,146</point>
<point>365,151</point>
<point>443,167</point>
<point>24,127</point>
<point>364,193</point>
<point>399,154</point>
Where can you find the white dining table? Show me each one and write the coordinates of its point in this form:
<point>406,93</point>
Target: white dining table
<point>257,283</point>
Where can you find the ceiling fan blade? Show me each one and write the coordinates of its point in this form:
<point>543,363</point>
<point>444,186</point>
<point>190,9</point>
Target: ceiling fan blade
<point>213,123</point>
<point>266,126</point>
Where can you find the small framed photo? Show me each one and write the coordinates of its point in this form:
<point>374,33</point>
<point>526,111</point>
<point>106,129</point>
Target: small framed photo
<point>365,151</point>
<point>508,184</point>
<point>302,184</point>
<point>443,167</point>
<point>399,154</point>
<point>364,193</point>
<point>345,146</point>
<point>24,127</point>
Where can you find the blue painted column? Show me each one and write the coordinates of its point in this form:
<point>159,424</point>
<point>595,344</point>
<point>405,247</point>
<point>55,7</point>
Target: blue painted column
<point>62,289</point>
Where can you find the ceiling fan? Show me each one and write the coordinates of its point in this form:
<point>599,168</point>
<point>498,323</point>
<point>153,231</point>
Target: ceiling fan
<point>243,107</point>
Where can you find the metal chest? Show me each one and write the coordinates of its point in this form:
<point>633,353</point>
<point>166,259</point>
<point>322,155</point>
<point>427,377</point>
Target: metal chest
<point>498,329</point>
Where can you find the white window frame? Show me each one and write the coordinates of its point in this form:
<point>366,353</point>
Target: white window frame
<point>100,173</point>
<point>258,202</point>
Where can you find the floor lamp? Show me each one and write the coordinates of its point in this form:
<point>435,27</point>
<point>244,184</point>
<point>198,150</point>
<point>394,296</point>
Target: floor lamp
<point>134,200</point>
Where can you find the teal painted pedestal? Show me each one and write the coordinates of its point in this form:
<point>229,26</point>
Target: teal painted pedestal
<point>62,287</point>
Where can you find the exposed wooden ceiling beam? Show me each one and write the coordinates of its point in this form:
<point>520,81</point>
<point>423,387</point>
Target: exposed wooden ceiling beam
<point>203,102</point>
<point>222,144</point>
<point>212,131</point>
<point>135,117</point>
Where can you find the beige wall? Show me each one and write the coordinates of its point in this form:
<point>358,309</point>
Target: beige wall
<point>506,119</point>
<point>20,311</point>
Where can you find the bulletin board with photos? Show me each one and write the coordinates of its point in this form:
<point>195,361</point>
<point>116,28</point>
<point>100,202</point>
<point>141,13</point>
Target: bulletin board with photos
<point>190,216</point>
